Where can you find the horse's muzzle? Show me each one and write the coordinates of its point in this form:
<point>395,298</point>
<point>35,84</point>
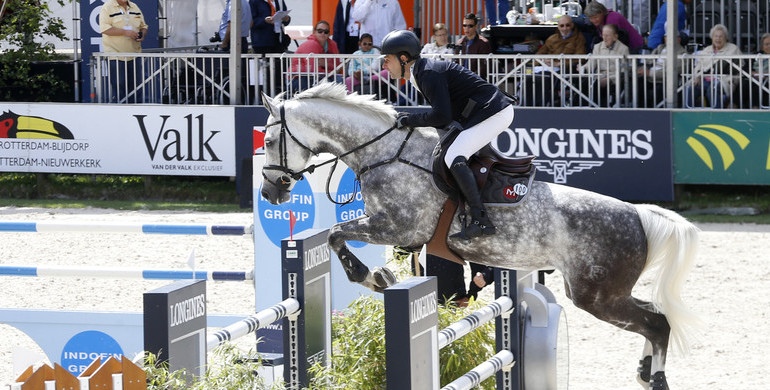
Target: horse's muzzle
<point>274,195</point>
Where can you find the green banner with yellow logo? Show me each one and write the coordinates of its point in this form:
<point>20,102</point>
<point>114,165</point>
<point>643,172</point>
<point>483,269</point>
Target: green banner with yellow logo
<point>721,147</point>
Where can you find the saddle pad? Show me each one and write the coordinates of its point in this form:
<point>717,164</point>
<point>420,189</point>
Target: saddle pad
<point>504,189</point>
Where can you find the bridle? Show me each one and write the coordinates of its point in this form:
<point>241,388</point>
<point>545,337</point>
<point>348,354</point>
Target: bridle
<point>283,182</point>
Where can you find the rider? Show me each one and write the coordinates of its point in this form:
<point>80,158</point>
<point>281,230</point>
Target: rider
<point>455,94</point>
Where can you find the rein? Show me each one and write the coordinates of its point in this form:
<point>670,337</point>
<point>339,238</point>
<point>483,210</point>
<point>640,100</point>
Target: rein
<point>284,181</point>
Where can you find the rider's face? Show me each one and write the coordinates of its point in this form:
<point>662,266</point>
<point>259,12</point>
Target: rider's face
<point>393,66</point>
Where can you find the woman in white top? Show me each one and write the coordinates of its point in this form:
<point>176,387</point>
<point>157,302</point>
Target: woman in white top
<point>440,42</point>
<point>711,72</point>
<point>606,70</point>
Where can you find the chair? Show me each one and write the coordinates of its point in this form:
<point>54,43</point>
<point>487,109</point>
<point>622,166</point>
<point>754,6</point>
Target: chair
<point>746,17</point>
<point>706,15</point>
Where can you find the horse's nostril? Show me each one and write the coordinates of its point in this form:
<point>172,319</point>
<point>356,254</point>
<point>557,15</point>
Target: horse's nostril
<point>265,194</point>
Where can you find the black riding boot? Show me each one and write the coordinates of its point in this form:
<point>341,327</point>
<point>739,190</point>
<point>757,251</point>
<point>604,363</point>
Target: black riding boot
<point>480,225</point>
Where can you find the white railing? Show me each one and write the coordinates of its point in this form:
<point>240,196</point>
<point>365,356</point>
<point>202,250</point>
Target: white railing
<point>635,81</point>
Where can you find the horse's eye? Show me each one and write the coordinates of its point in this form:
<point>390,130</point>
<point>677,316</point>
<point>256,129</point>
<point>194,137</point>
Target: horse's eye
<point>268,142</point>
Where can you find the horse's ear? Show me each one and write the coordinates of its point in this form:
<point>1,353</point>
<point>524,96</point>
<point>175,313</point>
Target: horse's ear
<point>270,105</point>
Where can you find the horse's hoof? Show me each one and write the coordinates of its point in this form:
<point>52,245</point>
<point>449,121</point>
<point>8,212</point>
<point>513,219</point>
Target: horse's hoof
<point>383,277</point>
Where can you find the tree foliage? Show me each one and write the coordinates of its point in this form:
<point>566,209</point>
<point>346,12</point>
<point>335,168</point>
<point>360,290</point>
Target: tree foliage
<point>26,28</point>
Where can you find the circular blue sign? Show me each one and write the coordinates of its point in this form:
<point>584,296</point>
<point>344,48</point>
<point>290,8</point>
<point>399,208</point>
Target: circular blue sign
<point>354,209</point>
<point>275,218</point>
<point>85,347</point>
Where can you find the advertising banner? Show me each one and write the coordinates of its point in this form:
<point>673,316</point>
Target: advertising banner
<point>117,139</point>
<point>625,154</point>
<point>722,147</point>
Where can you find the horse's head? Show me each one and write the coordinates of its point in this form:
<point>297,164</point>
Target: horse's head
<point>285,156</point>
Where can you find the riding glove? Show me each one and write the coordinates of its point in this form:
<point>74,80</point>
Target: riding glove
<point>401,119</point>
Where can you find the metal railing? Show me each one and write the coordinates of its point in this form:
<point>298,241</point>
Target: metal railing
<point>635,81</point>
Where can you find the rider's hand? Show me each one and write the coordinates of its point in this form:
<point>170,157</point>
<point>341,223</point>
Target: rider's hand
<point>401,119</point>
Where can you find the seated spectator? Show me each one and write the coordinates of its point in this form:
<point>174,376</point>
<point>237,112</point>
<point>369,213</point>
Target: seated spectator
<point>364,71</point>
<point>606,72</point>
<point>439,42</point>
<point>305,72</point>
<point>751,93</point>
<point>565,41</point>
<point>712,79</point>
<point>600,16</point>
<point>473,43</point>
<point>659,26</point>
<point>651,75</point>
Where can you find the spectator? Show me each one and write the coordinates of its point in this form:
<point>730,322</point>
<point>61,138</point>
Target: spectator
<point>659,27</point>
<point>712,78</point>
<point>364,71</point>
<point>497,11</point>
<point>123,29</point>
<point>600,16</point>
<point>606,71</point>
<point>265,37</point>
<point>565,41</point>
<point>306,71</point>
<point>224,26</point>
<point>653,72</point>
<point>473,43</point>
<point>440,41</point>
<point>346,30</point>
<point>378,17</point>
<point>751,94</point>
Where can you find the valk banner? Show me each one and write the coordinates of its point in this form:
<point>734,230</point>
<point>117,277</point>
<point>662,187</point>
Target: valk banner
<point>117,139</point>
<point>722,147</point>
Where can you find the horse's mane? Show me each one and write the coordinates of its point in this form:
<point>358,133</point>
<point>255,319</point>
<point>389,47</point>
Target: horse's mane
<point>339,94</point>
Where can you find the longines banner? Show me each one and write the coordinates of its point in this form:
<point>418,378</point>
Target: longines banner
<point>117,139</point>
<point>722,147</point>
<point>621,153</point>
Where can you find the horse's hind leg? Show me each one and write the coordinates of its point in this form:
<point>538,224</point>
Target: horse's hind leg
<point>630,314</point>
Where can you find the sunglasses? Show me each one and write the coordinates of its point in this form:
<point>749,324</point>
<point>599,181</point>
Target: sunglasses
<point>320,31</point>
<point>565,25</point>
<point>469,25</point>
<point>367,44</point>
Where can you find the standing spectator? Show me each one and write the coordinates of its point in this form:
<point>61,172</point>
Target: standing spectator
<point>497,11</point>
<point>652,74</point>
<point>659,27</point>
<point>378,17</point>
<point>473,43</point>
<point>565,41</point>
<point>123,29</point>
<point>606,71</point>
<point>346,30</point>
<point>712,79</point>
<point>750,94</point>
<point>440,41</point>
<point>599,16</point>
<point>364,71</point>
<point>306,71</point>
<point>224,26</point>
<point>265,36</point>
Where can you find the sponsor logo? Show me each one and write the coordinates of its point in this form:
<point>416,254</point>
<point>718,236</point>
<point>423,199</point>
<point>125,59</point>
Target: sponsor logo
<point>423,307</point>
<point>716,135</point>
<point>22,126</point>
<point>258,139</point>
<point>564,152</point>
<point>191,144</point>
<point>515,191</point>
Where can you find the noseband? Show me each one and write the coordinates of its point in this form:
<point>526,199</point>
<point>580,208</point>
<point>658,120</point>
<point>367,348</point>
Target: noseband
<point>283,182</point>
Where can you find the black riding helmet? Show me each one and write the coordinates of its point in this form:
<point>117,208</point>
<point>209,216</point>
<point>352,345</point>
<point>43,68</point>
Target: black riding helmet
<point>402,42</point>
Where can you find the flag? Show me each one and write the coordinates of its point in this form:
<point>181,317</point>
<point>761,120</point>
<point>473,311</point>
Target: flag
<point>292,222</point>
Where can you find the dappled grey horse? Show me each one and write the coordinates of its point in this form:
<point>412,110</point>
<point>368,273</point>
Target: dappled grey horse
<point>601,245</point>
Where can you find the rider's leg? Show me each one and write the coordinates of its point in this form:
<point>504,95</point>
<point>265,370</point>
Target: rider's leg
<point>469,141</point>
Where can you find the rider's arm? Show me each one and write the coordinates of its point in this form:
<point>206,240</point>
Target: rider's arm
<point>436,90</point>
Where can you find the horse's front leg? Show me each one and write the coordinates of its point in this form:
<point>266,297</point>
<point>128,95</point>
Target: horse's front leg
<point>374,230</point>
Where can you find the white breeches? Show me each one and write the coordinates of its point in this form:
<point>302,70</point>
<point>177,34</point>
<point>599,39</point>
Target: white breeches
<point>474,138</point>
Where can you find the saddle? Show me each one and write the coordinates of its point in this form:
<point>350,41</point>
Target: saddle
<point>502,181</point>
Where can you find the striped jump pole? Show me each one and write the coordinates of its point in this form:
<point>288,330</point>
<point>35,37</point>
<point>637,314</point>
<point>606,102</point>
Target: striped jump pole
<point>413,341</point>
<point>124,273</point>
<point>253,322</point>
<point>109,227</point>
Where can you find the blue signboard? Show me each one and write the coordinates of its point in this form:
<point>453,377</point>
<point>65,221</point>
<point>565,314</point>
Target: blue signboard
<point>348,188</point>
<point>85,347</point>
<point>275,219</point>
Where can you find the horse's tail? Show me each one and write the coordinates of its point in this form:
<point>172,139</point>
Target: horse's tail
<point>672,242</point>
